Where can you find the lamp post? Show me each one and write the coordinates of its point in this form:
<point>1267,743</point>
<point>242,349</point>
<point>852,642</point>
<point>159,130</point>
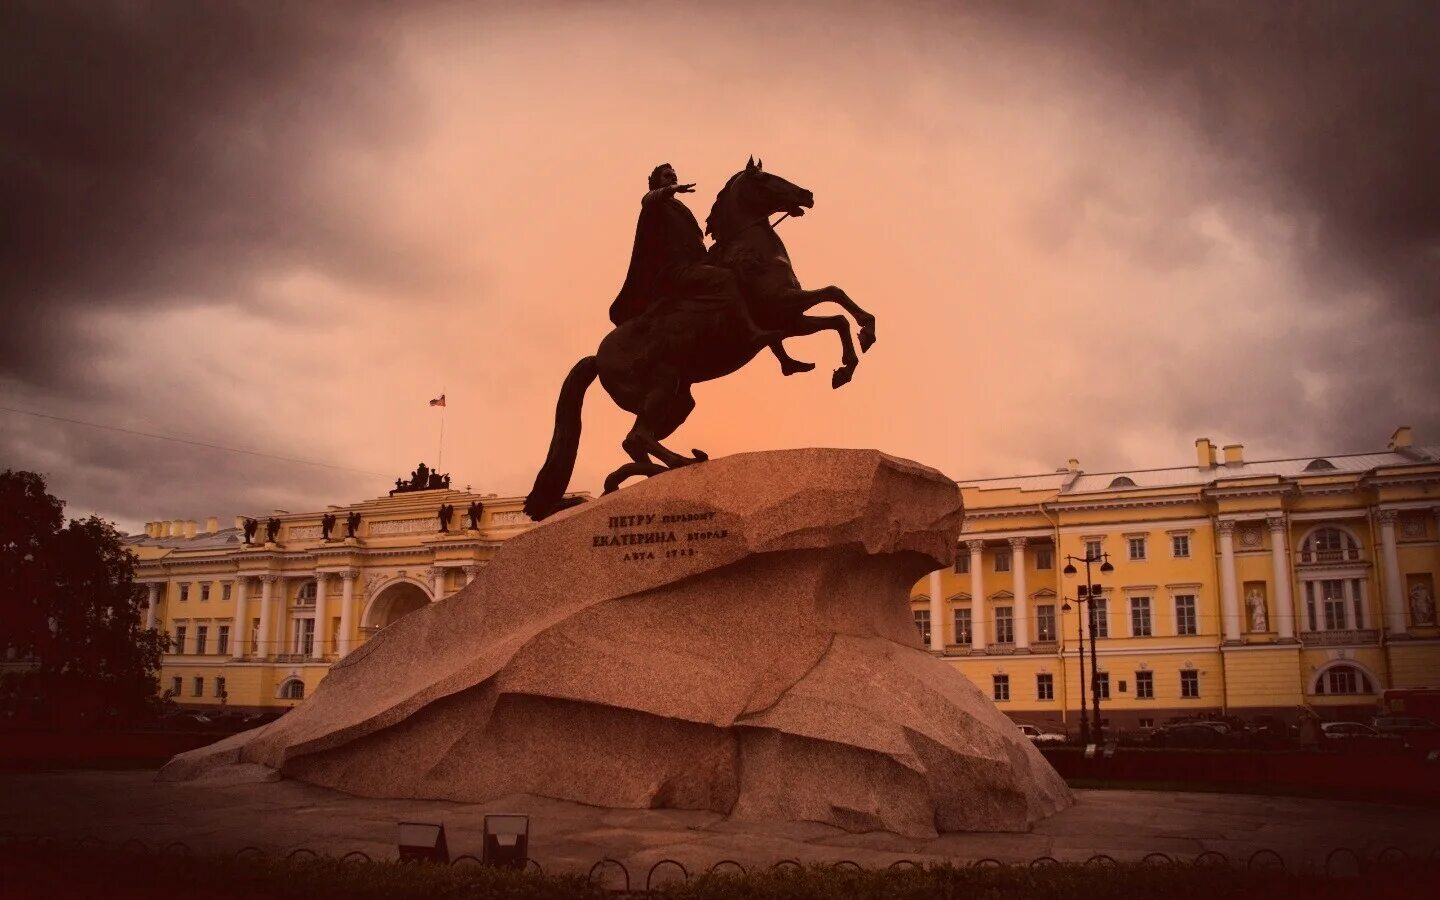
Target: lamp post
<point>1086,595</point>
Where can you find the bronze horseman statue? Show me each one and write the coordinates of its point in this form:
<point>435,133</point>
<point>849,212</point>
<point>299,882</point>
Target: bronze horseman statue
<point>687,315</point>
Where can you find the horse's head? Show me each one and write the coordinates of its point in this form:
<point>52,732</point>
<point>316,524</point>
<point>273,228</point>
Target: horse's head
<point>763,193</point>
<point>752,194</point>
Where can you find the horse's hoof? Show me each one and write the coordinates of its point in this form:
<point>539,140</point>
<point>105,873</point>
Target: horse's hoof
<point>841,376</point>
<point>867,337</point>
<point>700,455</point>
<point>795,366</point>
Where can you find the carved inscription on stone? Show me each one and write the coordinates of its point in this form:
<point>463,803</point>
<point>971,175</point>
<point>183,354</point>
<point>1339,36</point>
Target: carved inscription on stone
<point>513,517</point>
<point>402,526</point>
<point>646,536</point>
<point>303,532</point>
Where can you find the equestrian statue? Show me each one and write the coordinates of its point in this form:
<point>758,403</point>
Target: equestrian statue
<point>687,314</point>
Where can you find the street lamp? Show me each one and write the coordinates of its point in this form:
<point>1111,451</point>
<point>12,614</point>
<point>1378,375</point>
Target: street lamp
<point>1089,593</point>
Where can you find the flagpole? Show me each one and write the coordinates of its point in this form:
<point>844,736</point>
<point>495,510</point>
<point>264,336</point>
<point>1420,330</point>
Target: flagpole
<point>440,451</point>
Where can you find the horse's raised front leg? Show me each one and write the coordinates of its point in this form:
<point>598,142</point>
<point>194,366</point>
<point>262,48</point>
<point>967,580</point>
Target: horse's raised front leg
<point>841,326</point>
<point>796,302</point>
<point>862,318</point>
<point>789,365</point>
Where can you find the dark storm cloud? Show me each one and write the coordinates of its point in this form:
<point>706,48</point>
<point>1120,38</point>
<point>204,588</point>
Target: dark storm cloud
<point>1329,110</point>
<point>164,152</point>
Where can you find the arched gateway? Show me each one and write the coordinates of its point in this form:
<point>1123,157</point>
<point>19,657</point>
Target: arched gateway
<point>397,599</point>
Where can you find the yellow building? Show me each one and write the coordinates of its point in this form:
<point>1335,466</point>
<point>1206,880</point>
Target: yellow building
<point>257,624</point>
<point>1239,588</point>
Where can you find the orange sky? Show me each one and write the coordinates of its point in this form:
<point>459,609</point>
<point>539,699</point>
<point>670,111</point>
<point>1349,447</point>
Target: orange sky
<point>1062,260</point>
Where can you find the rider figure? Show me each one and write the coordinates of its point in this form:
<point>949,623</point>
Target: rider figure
<point>669,263</point>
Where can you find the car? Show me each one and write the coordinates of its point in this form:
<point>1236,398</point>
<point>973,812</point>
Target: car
<point>1413,730</point>
<point>1037,736</point>
<point>1195,735</point>
<point>1355,735</point>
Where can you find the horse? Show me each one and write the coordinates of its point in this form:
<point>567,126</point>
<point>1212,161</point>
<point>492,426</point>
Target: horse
<point>648,364</point>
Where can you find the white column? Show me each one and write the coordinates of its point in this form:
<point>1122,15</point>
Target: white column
<point>347,609</point>
<point>150,610</point>
<point>470,573</point>
<point>322,617</point>
<point>240,622</point>
<point>1394,590</point>
<point>937,613</point>
<point>437,583</point>
<point>1280,570</point>
<point>1022,598</point>
<point>1229,597</point>
<point>264,647</point>
<point>977,596</point>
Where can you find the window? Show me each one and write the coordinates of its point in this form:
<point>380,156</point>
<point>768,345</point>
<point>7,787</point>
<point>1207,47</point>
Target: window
<point>204,592</point>
<point>1146,723</point>
<point>1044,686</point>
<point>184,592</point>
<point>1004,625</point>
<point>306,597</point>
<point>1102,685</point>
<point>175,686</point>
<point>1343,680</point>
<point>1358,597</point>
<point>1001,687</point>
<point>1045,622</point>
<point>179,639</point>
<point>1044,558</point>
<point>1189,683</point>
<point>962,626</point>
<point>1180,546</point>
<point>1092,549</point>
<point>220,687</point>
<point>1332,594</point>
<point>1002,560</point>
<point>1328,545</point>
<point>225,590</point>
<point>199,686</point>
<point>1144,685</point>
<point>1140,617</point>
<point>922,623</point>
<point>202,632</point>
<point>1185,614</point>
<point>294,689</point>
<point>305,636</point>
<point>222,640</point>
<point>1100,618</point>
<point>255,638</point>
<point>962,563</point>
<point>1137,547</point>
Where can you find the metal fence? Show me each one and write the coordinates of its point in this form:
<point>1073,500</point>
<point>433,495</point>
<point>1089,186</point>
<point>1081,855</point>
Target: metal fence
<point>610,873</point>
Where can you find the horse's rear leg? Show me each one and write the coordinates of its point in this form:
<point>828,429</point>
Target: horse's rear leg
<point>665,409</point>
<point>841,326</point>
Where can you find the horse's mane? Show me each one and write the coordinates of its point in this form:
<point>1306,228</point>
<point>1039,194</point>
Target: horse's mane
<point>710,220</point>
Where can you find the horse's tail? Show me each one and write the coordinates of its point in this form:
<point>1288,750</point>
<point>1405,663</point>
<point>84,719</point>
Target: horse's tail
<point>547,496</point>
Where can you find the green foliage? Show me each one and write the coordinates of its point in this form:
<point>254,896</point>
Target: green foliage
<point>70,614</point>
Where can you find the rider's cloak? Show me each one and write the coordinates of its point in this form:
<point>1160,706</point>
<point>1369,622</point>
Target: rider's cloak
<point>668,240</point>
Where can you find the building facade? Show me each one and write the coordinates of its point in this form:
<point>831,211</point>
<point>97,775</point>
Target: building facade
<point>1239,588</point>
<point>257,625</point>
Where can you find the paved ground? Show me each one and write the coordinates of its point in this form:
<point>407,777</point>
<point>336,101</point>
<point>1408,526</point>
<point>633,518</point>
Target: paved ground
<point>281,816</point>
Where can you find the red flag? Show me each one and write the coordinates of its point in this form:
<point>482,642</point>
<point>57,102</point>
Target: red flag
<point>438,401</point>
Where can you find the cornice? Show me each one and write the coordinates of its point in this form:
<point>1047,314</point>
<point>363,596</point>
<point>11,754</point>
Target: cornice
<point>1077,505</point>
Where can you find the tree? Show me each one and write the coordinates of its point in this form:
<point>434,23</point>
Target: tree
<point>70,613</point>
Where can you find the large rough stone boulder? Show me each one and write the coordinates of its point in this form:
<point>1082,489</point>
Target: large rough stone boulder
<point>732,636</point>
